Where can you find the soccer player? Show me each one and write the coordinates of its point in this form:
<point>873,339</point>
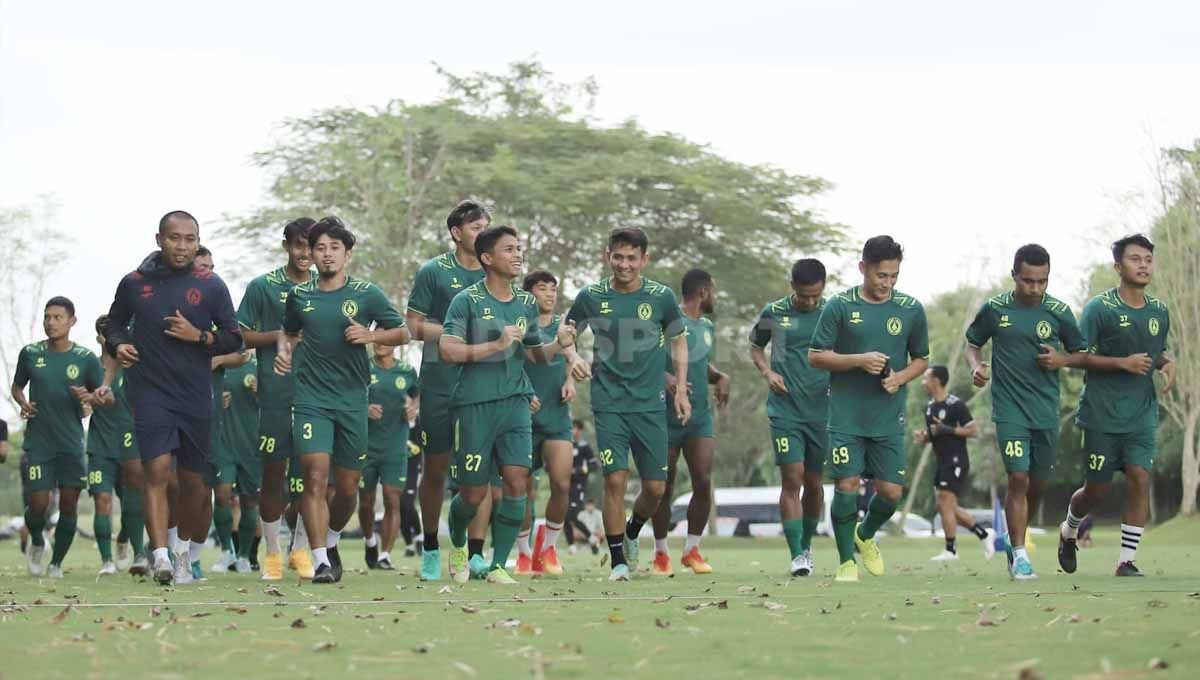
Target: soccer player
<point>436,284</point>
<point>410,517</point>
<point>54,436</point>
<point>492,422</point>
<point>582,462</point>
<point>393,400</point>
<point>632,319</point>
<point>335,313</point>
<point>694,440</point>
<point>167,356</point>
<point>554,388</point>
<point>873,340</point>
<point>1026,327</point>
<point>797,405</point>
<point>261,317</point>
<point>948,426</point>
<point>1126,331</point>
<point>239,467</point>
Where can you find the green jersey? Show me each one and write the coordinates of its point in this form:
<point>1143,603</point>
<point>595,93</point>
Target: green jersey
<point>1115,401</point>
<point>475,316</point>
<point>631,329</point>
<point>1023,393</point>
<point>701,344</point>
<point>239,424</point>
<point>789,331</point>
<point>390,388</point>
<point>262,310</point>
<point>849,324</point>
<point>58,425</point>
<point>438,282</point>
<point>330,372</point>
<point>109,424</point>
<point>547,380</point>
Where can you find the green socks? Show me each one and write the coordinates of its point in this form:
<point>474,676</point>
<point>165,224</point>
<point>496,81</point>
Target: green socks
<point>844,512</point>
<point>246,528</point>
<point>793,530</point>
<point>64,535</point>
<point>36,525</point>
<point>461,514</point>
<point>505,527</point>
<point>878,512</point>
<point>102,525</point>
<point>810,530</point>
<point>223,519</point>
<point>133,523</point>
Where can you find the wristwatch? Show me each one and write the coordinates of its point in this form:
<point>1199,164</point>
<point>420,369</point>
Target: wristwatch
<point>203,340</point>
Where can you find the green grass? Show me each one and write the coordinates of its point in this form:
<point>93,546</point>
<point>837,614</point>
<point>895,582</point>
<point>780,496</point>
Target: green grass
<point>921,619</point>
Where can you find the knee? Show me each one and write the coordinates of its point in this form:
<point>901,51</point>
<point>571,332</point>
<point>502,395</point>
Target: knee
<point>654,490</point>
<point>1018,483</point>
<point>1137,478</point>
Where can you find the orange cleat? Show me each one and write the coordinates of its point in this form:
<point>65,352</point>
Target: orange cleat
<point>692,560</point>
<point>301,562</point>
<point>524,565</point>
<point>661,565</point>
<point>548,561</point>
<point>272,567</point>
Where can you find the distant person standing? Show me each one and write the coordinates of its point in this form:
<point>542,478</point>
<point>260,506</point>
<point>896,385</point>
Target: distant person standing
<point>948,426</point>
<point>582,463</point>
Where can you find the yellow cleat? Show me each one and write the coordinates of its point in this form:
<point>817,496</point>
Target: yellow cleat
<point>847,572</point>
<point>872,558</point>
<point>302,563</point>
<point>272,567</point>
<point>1029,546</point>
<point>695,562</point>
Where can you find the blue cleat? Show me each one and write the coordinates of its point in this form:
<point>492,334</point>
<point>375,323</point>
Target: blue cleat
<point>431,565</point>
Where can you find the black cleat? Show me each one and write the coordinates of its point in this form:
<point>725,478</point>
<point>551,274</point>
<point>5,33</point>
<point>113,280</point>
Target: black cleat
<point>1066,553</point>
<point>1127,569</point>
<point>372,556</point>
<point>385,564</point>
<point>323,574</point>
<point>410,552</point>
<point>335,561</point>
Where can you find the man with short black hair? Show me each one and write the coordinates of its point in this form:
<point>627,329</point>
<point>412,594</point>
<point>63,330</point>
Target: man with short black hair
<point>948,426</point>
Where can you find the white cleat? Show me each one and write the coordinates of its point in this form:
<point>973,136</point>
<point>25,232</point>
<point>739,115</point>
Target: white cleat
<point>802,564</point>
<point>944,556</point>
<point>107,569</point>
<point>33,559</point>
<point>124,556</point>
<point>162,571</point>
<point>242,566</point>
<point>224,563</point>
<point>989,545</point>
<point>183,569</point>
<point>54,571</point>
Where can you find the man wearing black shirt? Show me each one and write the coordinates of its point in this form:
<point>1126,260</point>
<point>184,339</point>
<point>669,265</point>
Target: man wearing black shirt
<point>948,425</point>
<point>582,463</point>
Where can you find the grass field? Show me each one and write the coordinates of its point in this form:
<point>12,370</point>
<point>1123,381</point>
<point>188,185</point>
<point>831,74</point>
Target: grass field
<point>747,620</point>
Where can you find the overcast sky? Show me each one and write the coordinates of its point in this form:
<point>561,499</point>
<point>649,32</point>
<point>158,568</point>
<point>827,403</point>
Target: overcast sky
<point>962,129</point>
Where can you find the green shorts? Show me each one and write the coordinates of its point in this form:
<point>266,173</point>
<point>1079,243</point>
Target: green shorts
<point>881,458</point>
<point>56,470</point>
<point>540,437</point>
<point>103,473</point>
<point>1027,450</point>
<point>1105,452</point>
<point>437,423</point>
<point>490,435</point>
<point>390,469</point>
<point>796,442</point>
<point>244,474</point>
<point>341,434</point>
<point>644,433</point>
<point>275,434</point>
<point>699,425</point>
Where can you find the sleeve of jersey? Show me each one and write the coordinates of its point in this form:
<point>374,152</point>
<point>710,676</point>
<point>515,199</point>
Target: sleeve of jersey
<point>457,315</point>
<point>94,374</point>
<point>533,335</point>
<point>292,320</point>
<point>249,312</point>
<point>21,375</point>
<point>580,313</point>
<point>1091,323</point>
<point>414,384</point>
<point>980,330</point>
<point>1072,338</point>
<point>918,338</point>
<point>760,333</point>
<point>964,414</point>
<point>828,325</point>
<point>228,334</point>
<point>386,315</point>
<point>116,330</point>
<point>421,298</point>
<point>1166,328</point>
<point>672,317</point>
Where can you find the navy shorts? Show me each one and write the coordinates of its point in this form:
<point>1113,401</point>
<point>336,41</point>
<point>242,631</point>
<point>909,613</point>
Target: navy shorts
<point>159,430</point>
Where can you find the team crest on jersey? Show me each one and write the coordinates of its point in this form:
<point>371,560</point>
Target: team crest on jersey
<point>645,311</point>
<point>401,383</point>
<point>942,414</point>
<point>1044,330</point>
<point>894,325</point>
<point>604,308</point>
<point>193,296</point>
<point>72,371</point>
<point>248,381</point>
<point>487,314</point>
<point>1004,322</point>
<point>349,309</point>
<point>522,323</point>
<point>856,317</point>
<point>147,291</point>
<point>1153,325</point>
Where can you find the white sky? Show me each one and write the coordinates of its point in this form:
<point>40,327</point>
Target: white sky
<point>942,123</point>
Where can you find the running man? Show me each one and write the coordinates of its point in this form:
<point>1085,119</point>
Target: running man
<point>338,315</point>
<point>694,440</point>
<point>240,466</point>
<point>873,340</point>
<point>797,405</point>
<point>632,319</point>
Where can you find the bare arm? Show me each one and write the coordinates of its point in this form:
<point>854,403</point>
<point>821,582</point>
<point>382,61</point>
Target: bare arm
<point>285,344</point>
<point>231,360</point>
<point>257,339</point>
<point>979,367</point>
<point>829,360</point>
<point>392,336</point>
<point>422,328</point>
<point>456,351</point>
<point>679,357</point>
<point>968,431</point>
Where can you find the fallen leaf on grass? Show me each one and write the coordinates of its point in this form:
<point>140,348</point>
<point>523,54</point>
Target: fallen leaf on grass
<point>445,590</point>
<point>61,616</point>
<point>200,615</point>
<point>242,591</point>
<point>232,626</point>
<point>603,560</point>
<point>935,600</point>
<point>662,624</point>
<point>465,668</point>
<point>983,620</point>
<point>324,646</point>
<point>742,590</point>
<point>773,606</point>
<point>616,618</point>
<point>272,590</point>
<point>364,616</point>
<point>423,648</point>
<point>468,609</point>
<point>86,637</point>
<point>1156,604</point>
<point>237,610</point>
<point>299,623</point>
<point>530,629</point>
<point>891,616</point>
<point>1075,618</point>
<point>1157,664</point>
<point>1029,673</point>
